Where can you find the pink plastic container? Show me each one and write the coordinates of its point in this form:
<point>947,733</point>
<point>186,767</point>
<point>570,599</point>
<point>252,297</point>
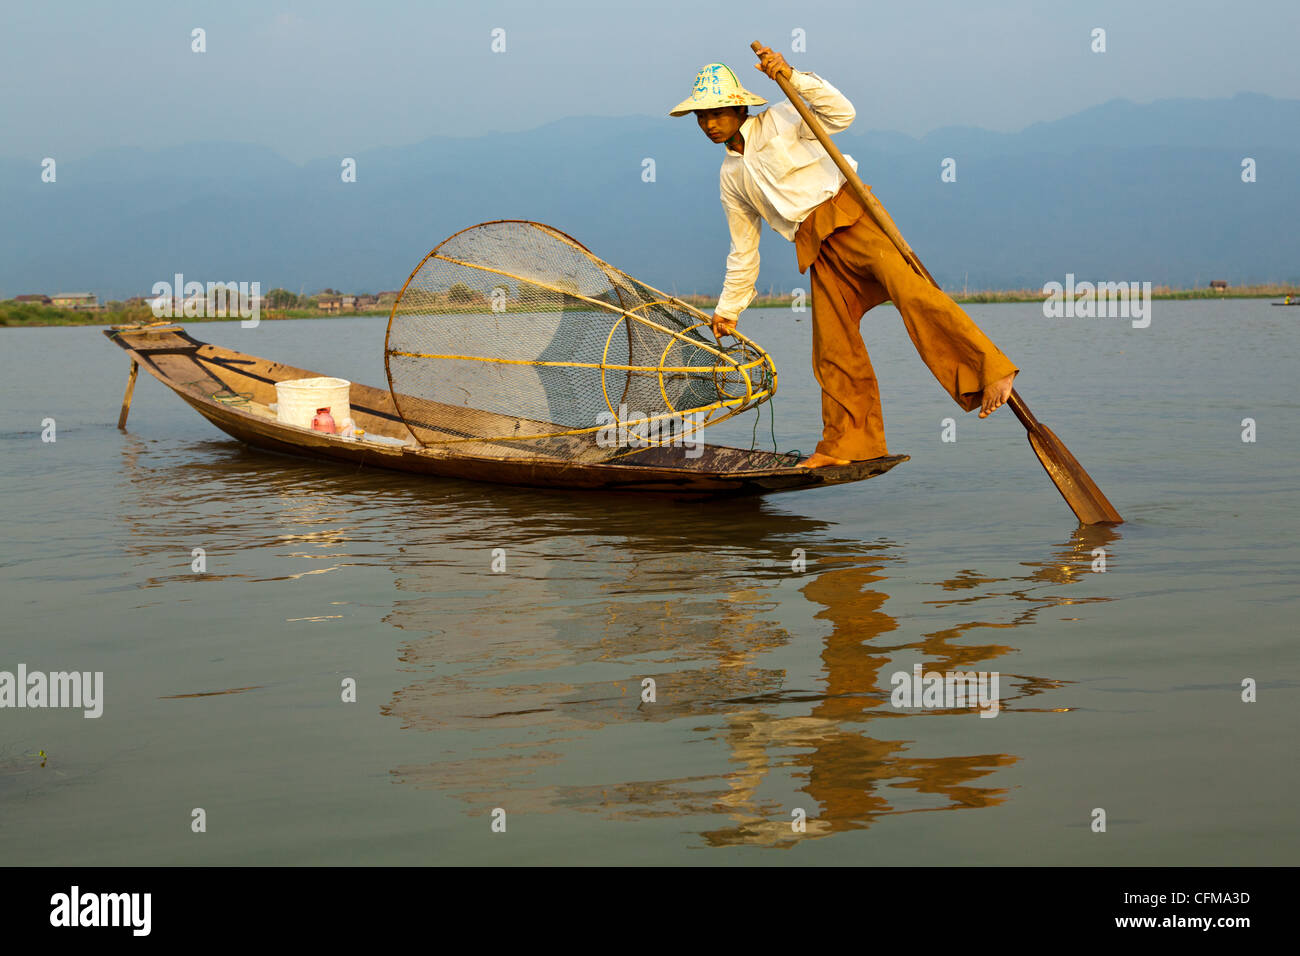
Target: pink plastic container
<point>323,422</point>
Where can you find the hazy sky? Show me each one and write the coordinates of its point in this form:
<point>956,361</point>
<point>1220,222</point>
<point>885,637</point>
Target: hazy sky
<point>314,79</point>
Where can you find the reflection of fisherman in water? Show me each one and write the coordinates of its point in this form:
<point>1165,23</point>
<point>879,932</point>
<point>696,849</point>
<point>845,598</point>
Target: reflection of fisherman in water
<point>852,778</point>
<point>701,623</point>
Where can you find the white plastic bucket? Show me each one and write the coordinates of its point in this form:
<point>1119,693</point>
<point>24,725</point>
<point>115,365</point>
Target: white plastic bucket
<point>298,400</point>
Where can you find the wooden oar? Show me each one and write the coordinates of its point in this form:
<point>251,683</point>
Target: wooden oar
<point>1076,487</point>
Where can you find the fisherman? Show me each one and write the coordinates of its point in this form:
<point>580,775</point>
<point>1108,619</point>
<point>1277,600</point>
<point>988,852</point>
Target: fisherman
<point>776,170</point>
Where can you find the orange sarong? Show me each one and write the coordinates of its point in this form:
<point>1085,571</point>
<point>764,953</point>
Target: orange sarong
<point>855,268</point>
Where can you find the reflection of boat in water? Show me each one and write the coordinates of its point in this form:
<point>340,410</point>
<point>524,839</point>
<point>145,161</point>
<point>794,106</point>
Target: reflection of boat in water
<point>234,391</point>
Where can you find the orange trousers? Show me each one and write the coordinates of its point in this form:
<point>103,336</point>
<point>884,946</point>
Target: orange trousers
<point>855,268</point>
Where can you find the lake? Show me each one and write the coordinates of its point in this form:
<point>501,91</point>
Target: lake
<point>771,628</point>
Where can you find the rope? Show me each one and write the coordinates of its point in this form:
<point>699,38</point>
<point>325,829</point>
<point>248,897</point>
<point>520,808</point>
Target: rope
<point>222,395</point>
<point>783,459</point>
<point>237,399</point>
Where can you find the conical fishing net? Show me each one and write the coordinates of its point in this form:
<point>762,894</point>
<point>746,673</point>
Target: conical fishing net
<point>510,339</point>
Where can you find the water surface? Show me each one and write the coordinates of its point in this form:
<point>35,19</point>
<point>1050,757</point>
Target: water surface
<point>521,690</point>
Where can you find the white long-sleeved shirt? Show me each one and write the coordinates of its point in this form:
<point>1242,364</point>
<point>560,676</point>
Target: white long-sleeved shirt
<point>782,176</point>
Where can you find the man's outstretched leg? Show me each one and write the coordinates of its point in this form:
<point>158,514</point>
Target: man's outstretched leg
<point>971,369</point>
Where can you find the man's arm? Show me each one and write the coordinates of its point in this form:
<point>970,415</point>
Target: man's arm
<point>742,262</point>
<point>826,102</point>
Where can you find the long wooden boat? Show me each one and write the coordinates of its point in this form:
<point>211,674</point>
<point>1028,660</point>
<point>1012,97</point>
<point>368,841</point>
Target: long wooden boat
<point>234,391</point>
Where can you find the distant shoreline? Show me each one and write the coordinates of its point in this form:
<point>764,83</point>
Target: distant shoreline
<point>32,315</point>
<point>28,315</point>
<point>982,296</point>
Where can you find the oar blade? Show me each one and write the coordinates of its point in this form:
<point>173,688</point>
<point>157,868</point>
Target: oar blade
<point>1078,489</point>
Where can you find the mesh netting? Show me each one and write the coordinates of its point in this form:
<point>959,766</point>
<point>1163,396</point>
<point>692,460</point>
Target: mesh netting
<point>511,339</point>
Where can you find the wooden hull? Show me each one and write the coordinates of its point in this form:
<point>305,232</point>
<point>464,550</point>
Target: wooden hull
<point>232,391</point>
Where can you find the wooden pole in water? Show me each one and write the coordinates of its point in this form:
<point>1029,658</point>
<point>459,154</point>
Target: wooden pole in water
<point>1078,489</point>
<point>126,399</point>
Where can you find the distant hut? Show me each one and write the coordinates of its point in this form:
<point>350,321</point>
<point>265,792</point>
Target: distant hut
<point>76,300</point>
<point>37,299</point>
<point>1219,285</point>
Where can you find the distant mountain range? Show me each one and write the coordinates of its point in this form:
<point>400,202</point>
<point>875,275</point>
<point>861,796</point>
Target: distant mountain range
<point>1120,192</point>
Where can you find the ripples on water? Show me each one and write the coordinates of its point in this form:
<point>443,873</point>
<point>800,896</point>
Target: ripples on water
<point>523,689</point>
<point>601,593</point>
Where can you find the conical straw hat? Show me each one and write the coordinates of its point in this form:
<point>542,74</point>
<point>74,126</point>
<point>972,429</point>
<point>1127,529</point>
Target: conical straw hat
<point>715,86</point>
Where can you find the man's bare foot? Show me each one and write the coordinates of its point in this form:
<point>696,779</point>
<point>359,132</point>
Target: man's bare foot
<point>818,460</point>
<point>996,395</point>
